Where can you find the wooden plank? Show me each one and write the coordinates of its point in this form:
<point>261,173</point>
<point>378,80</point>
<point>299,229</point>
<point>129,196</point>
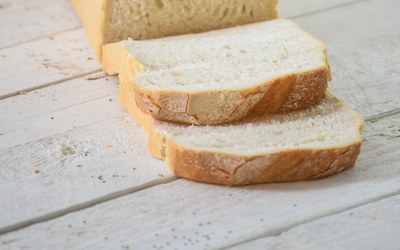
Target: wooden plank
<point>291,9</point>
<point>363,47</point>
<point>57,109</point>
<point>45,61</point>
<point>22,20</point>
<point>45,100</point>
<point>372,226</point>
<point>75,169</point>
<point>62,139</point>
<point>184,214</point>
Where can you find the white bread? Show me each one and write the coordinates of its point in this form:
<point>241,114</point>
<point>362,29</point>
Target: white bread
<point>108,21</point>
<point>226,75</point>
<point>300,145</point>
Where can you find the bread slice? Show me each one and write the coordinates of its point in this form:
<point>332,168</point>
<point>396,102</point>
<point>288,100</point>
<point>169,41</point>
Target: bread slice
<point>223,76</point>
<point>109,21</point>
<point>300,145</point>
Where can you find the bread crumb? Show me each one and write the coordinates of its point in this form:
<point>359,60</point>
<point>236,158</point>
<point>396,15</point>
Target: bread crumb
<point>109,146</point>
<point>36,171</point>
<point>73,126</point>
<point>51,37</point>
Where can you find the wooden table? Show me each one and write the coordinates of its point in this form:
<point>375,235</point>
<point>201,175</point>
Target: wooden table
<point>75,171</point>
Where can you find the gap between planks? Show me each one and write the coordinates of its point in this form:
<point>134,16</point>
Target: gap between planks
<point>87,204</point>
<point>50,84</point>
<point>172,178</point>
<point>279,231</point>
<point>383,115</point>
<point>40,37</point>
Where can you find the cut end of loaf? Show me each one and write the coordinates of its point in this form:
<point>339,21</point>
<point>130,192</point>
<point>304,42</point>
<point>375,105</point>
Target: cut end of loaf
<point>110,21</point>
<point>142,19</point>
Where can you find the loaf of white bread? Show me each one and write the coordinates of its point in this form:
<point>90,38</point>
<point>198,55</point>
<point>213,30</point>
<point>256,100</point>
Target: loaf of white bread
<point>225,75</point>
<point>235,106</point>
<point>109,21</point>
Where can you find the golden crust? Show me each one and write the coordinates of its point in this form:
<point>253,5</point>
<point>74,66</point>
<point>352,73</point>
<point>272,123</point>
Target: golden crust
<point>217,107</point>
<point>232,170</point>
<point>114,56</point>
<point>156,140</point>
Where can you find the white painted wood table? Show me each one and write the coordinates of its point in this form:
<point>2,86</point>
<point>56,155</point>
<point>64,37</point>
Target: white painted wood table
<point>75,171</point>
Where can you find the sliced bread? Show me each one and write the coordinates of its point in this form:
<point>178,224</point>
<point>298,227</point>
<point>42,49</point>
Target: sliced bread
<point>223,76</point>
<point>108,21</point>
<point>300,145</point>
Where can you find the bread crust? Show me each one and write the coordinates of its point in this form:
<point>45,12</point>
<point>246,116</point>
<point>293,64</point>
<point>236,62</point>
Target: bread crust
<point>286,166</point>
<point>156,141</point>
<point>282,94</point>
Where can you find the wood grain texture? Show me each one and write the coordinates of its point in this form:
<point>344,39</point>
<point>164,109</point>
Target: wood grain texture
<point>22,20</point>
<point>45,61</point>
<point>364,52</point>
<point>184,215</point>
<point>372,226</point>
<point>68,145</point>
<point>57,109</point>
<point>70,169</point>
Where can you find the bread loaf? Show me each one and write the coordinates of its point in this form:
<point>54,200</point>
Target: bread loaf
<point>109,21</point>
